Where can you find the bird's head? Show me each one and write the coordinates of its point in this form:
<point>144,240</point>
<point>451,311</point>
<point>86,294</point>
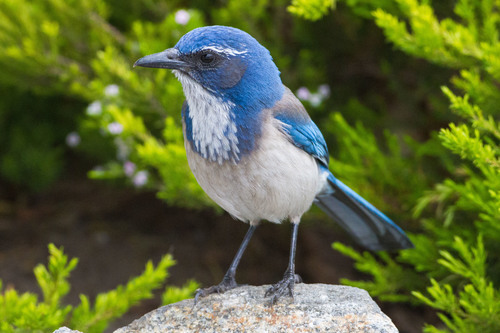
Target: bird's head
<point>226,62</point>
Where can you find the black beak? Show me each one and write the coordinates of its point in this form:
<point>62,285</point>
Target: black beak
<point>166,59</point>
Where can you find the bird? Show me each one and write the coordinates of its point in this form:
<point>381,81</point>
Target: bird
<point>254,149</point>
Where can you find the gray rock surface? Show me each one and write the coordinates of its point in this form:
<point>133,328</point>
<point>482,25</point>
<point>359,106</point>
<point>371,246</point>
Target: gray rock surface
<point>316,308</point>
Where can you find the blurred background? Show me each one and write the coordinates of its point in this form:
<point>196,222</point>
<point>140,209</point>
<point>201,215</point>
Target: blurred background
<point>92,157</point>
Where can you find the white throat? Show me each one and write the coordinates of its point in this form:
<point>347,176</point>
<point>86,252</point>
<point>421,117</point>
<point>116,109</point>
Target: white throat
<point>213,128</point>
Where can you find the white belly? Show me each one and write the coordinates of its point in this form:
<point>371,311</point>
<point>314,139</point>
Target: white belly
<point>275,182</point>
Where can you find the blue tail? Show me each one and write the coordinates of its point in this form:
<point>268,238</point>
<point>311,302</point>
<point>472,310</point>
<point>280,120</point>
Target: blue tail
<point>365,223</point>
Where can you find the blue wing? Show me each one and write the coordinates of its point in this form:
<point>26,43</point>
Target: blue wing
<point>365,223</point>
<point>301,130</point>
<point>306,135</point>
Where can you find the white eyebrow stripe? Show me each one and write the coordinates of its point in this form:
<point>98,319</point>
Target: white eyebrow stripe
<point>225,50</point>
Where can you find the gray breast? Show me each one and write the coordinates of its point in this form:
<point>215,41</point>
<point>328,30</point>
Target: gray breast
<point>274,182</point>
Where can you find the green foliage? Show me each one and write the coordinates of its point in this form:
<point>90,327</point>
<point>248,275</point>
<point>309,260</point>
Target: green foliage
<point>29,160</point>
<point>466,202</point>
<point>37,62</point>
<point>115,303</point>
<point>31,157</point>
<point>476,307</point>
<point>458,44</point>
<point>389,279</point>
<point>176,294</point>
<point>67,65</point>
<point>311,10</point>
<point>79,53</point>
<point>53,281</point>
<point>25,313</point>
<point>371,170</point>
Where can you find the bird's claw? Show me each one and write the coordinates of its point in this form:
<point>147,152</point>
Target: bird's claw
<point>284,287</point>
<point>227,283</point>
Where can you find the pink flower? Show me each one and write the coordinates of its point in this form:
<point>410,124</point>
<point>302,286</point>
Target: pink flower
<point>182,17</point>
<point>303,93</point>
<point>73,139</point>
<point>140,179</point>
<point>115,128</point>
<point>324,90</point>
<point>129,168</point>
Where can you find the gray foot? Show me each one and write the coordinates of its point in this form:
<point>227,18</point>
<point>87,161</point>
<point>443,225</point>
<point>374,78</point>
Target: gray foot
<point>227,283</point>
<point>284,287</point>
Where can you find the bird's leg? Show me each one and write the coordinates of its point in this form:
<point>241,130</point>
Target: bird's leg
<point>229,281</point>
<point>287,284</point>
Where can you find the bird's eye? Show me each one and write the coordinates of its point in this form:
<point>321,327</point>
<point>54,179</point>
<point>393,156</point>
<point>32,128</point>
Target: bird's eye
<point>207,58</point>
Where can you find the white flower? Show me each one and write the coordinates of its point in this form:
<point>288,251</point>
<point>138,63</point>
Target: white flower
<point>140,179</point>
<point>324,90</point>
<point>303,93</point>
<point>115,128</point>
<point>182,17</point>
<point>112,90</point>
<point>122,149</point>
<point>94,108</point>
<point>315,99</point>
<point>73,139</point>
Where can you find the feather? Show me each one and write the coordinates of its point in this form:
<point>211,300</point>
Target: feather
<point>365,223</point>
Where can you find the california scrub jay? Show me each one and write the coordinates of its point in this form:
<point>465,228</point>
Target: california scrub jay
<point>254,149</point>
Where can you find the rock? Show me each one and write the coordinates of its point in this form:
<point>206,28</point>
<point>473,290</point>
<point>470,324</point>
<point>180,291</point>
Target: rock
<point>316,308</point>
<point>65,330</point>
